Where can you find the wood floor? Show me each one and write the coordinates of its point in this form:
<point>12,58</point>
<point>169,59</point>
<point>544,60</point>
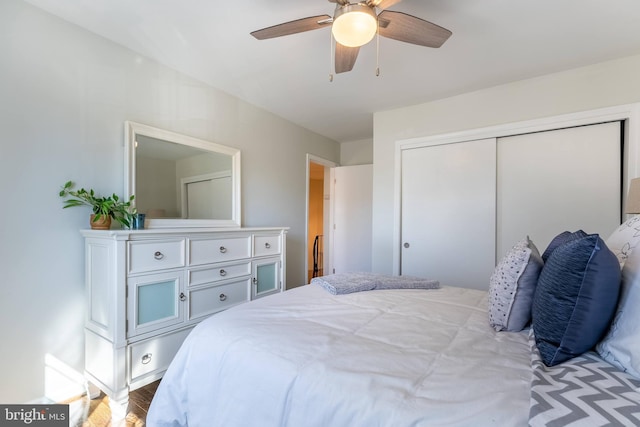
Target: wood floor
<point>96,412</point>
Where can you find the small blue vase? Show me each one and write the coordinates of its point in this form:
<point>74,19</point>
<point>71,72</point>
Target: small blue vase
<point>138,222</point>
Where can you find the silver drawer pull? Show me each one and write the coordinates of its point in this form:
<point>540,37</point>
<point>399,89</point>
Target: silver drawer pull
<point>223,297</point>
<point>223,250</point>
<point>267,245</point>
<point>183,297</point>
<point>223,272</point>
<point>146,358</point>
<point>158,255</point>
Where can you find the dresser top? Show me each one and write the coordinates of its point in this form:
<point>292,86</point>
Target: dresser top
<point>186,231</point>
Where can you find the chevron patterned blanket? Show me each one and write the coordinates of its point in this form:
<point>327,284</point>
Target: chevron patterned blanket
<point>584,391</point>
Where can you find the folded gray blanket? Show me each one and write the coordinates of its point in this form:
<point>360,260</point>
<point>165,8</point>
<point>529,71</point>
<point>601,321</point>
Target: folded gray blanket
<point>346,283</point>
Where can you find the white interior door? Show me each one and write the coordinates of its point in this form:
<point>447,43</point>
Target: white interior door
<point>566,179</point>
<point>352,218</point>
<point>448,213</point>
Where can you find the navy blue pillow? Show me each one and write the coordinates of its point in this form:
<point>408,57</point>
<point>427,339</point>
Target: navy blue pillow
<point>559,240</point>
<point>575,299</point>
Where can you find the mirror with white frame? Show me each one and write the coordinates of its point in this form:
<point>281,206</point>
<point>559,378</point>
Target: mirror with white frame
<point>181,181</point>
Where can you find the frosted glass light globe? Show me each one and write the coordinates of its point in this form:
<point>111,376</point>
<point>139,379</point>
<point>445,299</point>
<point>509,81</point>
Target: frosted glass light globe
<point>354,25</point>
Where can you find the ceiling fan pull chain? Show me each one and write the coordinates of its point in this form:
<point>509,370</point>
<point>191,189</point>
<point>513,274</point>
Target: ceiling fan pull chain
<point>331,57</point>
<point>378,51</point>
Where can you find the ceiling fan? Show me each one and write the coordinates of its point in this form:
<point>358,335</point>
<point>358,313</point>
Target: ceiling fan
<point>355,24</point>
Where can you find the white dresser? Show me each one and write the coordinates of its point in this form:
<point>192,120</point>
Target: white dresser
<point>146,290</point>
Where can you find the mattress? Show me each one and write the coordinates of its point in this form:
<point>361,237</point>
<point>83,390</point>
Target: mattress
<point>305,357</point>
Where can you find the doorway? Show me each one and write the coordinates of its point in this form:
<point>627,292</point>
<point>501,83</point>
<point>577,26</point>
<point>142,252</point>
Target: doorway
<point>318,213</point>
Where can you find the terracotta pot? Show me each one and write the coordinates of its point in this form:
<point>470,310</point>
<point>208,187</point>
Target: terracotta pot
<point>104,223</point>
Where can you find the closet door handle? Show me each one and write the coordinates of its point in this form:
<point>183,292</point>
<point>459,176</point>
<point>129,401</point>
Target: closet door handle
<point>182,297</point>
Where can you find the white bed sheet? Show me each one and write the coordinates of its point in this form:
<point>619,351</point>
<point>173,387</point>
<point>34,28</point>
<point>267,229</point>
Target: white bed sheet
<point>375,358</point>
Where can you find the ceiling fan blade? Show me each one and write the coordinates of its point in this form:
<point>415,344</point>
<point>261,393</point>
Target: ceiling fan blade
<point>382,4</point>
<point>410,29</point>
<point>345,58</point>
<point>293,27</point>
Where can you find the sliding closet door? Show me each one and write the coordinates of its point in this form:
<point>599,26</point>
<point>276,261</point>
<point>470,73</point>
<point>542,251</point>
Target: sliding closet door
<point>448,213</point>
<point>566,179</point>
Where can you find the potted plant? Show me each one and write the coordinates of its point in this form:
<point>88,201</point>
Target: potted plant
<point>104,208</point>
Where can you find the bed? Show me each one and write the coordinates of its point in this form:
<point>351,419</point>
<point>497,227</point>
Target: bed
<point>436,356</point>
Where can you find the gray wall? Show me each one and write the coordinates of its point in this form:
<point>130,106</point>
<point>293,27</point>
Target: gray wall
<point>64,96</point>
<point>358,152</point>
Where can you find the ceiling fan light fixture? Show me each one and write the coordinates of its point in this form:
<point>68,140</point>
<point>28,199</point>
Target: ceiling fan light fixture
<point>354,25</point>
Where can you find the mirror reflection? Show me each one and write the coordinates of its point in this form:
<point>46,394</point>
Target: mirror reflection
<point>178,181</point>
<point>181,181</point>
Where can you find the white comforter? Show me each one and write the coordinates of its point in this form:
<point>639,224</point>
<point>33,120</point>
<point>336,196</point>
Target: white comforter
<point>307,358</point>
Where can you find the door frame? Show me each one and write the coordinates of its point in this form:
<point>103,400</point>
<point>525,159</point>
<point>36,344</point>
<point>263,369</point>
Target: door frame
<point>311,158</point>
<point>628,113</point>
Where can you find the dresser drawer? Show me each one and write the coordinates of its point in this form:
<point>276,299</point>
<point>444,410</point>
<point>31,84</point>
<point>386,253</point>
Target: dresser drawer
<point>207,251</point>
<point>215,274</point>
<point>209,300</point>
<point>155,355</point>
<point>155,255</point>
<point>267,245</point>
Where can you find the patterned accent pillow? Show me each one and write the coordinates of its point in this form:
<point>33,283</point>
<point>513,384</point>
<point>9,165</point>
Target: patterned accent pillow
<point>512,286</point>
<point>625,239</point>
<point>575,299</point>
<point>621,345</point>
<point>585,391</point>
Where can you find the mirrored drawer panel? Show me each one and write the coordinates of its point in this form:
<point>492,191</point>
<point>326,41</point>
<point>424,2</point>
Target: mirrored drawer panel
<point>266,245</point>
<point>156,354</point>
<point>209,300</point>
<point>215,250</point>
<point>155,255</point>
<point>214,274</point>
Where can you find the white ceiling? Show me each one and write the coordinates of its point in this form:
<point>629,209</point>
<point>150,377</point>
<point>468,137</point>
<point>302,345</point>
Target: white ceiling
<point>493,42</point>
